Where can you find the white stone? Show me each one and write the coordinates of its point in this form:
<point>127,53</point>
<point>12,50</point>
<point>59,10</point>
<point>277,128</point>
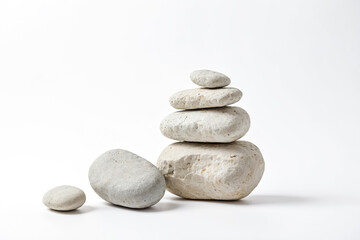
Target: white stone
<point>64,198</point>
<point>209,79</point>
<point>224,124</point>
<point>211,171</point>
<point>205,98</point>
<point>123,178</point>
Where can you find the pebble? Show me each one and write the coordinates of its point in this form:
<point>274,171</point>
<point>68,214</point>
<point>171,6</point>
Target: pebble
<point>219,125</point>
<point>211,171</point>
<point>205,98</point>
<point>123,178</point>
<point>209,79</point>
<point>64,198</point>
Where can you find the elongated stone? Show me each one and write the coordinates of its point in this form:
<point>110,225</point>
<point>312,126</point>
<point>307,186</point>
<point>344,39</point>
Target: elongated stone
<point>211,171</point>
<point>224,124</point>
<point>205,98</point>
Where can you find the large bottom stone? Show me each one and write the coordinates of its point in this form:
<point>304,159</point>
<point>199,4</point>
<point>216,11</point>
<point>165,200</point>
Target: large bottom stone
<point>222,171</point>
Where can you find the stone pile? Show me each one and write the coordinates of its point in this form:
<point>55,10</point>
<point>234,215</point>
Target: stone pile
<point>209,162</point>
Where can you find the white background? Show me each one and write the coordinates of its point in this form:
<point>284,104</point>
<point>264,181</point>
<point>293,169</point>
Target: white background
<point>78,78</point>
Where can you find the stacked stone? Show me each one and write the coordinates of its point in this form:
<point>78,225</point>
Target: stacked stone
<point>209,162</point>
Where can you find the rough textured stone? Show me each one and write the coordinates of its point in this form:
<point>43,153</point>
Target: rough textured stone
<point>64,198</point>
<point>211,171</point>
<point>123,178</point>
<point>224,124</point>
<point>209,79</point>
<point>205,98</point>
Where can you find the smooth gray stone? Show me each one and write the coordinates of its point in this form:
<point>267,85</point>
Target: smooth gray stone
<point>227,171</point>
<point>123,178</point>
<point>221,125</point>
<point>205,98</point>
<point>64,198</point>
<point>209,79</point>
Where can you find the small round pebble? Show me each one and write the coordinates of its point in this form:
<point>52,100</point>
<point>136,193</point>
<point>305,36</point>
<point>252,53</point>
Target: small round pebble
<point>126,179</point>
<point>209,79</point>
<point>64,198</point>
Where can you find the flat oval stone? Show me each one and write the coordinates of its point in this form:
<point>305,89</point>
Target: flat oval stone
<point>224,124</point>
<point>123,178</point>
<point>209,79</point>
<point>211,171</point>
<point>205,98</point>
<point>64,198</point>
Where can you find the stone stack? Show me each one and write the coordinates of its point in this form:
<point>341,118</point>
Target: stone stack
<point>209,162</point>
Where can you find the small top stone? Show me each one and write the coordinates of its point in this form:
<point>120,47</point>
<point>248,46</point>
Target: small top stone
<point>209,79</point>
<point>64,198</point>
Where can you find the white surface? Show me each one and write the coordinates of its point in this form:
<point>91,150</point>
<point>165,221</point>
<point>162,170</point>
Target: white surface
<point>78,78</point>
